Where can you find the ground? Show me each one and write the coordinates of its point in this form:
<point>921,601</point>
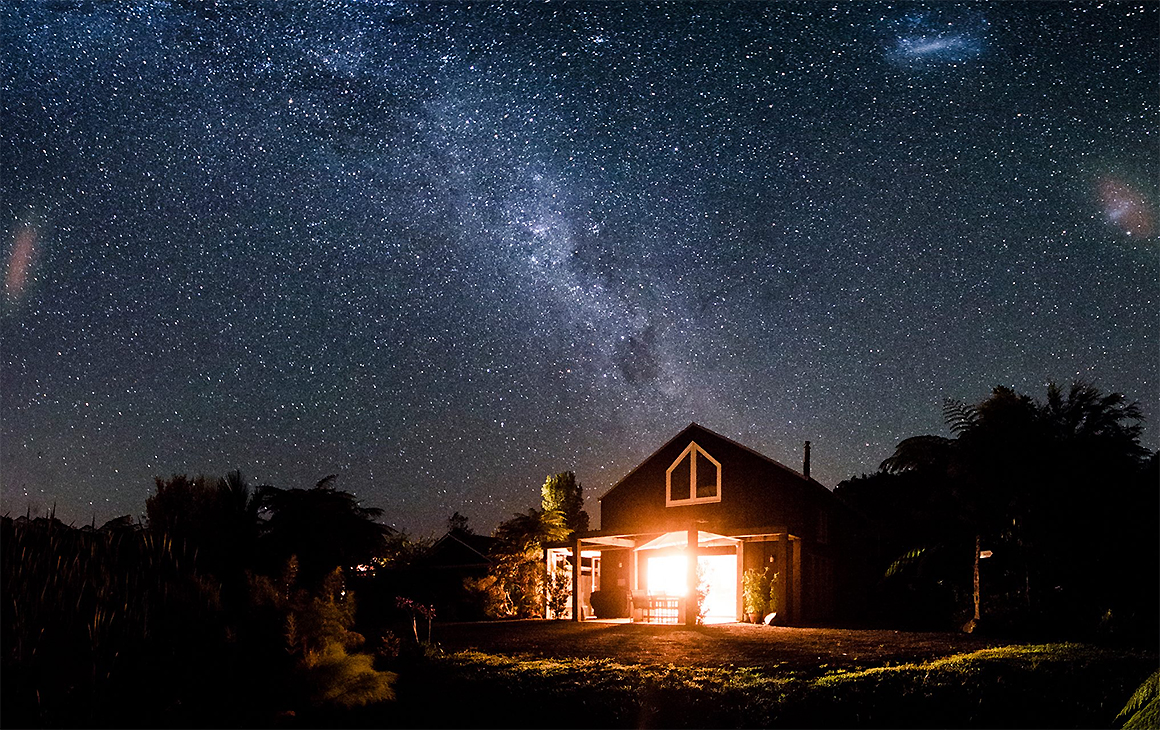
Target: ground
<point>748,645</point>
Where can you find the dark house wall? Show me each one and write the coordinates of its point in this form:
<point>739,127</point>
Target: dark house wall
<point>755,492</point>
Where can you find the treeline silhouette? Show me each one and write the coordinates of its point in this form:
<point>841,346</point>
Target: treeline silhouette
<point>234,607</point>
<point>1053,504</point>
<point>224,608</point>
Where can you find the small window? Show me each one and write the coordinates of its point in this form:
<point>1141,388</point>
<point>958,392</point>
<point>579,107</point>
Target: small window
<point>695,477</point>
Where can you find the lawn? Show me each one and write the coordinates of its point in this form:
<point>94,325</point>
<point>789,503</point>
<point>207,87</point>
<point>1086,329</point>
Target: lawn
<point>557,674</point>
<point>719,645</point>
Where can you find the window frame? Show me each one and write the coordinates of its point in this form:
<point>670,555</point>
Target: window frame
<point>692,451</point>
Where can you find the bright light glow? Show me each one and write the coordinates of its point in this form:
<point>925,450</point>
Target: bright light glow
<point>667,576</point>
<point>720,572</point>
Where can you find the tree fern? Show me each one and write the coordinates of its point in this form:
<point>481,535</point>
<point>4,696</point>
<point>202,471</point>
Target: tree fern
<point>1143,709</point>
<point>960,417</point>
<point>904,561</point>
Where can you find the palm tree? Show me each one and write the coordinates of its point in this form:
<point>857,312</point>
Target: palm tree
<point>1089,478</point>
<point>216,520</point>
<point>1086,415</point>
<point>1025,471</point>
<point>941,462</point>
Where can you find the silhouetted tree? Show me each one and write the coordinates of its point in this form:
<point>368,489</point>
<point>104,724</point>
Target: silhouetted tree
<point>1023,474</point>
<point>458,523</point>
<point>929,479</point>
<point>216,520</point>
<point>324,527</point>
<point>1089,476</point>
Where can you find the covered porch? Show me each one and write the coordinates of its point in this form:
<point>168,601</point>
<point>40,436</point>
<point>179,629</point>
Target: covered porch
<point>652,573</point>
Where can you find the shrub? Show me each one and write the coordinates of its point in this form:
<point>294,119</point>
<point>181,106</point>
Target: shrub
<point>609,603</point>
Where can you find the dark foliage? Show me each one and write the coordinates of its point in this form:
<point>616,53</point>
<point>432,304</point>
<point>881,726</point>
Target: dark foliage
<point>562,493</point>
<point>215,521</point>
<point>458,523</point>
<point>95,622</point>
<point>1059,491</point>
<point>514,586</point>
<point>324,527</point>
<point>170,625</point>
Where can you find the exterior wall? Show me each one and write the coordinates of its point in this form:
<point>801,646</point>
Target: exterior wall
<point>615,570</point>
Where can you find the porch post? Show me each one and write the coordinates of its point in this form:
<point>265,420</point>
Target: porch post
<point>549,571</point>
<point>576,582</point>
<point>798,616</point>
<point>785,589</point>
<point>740,575</point>
<point>691,602</point>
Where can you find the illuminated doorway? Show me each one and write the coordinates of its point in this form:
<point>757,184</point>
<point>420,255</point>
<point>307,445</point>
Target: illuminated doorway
<point>667,577</point>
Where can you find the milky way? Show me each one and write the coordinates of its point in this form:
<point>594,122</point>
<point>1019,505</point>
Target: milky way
<point>444,250</point>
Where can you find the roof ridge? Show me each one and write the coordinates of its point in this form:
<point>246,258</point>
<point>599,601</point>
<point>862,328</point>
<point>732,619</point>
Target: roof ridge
<point>693,424</point>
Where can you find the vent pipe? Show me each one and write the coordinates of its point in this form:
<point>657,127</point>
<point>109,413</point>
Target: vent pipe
<point>806,462</point>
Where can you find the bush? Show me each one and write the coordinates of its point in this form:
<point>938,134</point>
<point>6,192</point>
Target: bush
<point>610,604</point>
<point>318,641</point>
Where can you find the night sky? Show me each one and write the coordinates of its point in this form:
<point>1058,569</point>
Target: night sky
<point>446,249</point>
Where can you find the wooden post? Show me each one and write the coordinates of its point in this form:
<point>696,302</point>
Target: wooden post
<point>691,604</point>
<point>740,575</point>
<point>796,576</point>
<point>576,582</point>
<point>785,588</point>
<point>549,571</point>
<point>974,622</point>
<point>633,583</point>
<point>978,553</point>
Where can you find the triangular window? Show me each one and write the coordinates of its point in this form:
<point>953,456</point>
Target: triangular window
<point>694,478</point>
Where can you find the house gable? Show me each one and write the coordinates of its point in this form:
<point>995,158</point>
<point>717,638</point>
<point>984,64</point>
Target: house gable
<point>705,478</point>
<point>458,549</point>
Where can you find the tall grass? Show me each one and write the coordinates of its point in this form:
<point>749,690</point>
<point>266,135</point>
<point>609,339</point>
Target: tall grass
<point>95,621</point>
<point>118,628</point>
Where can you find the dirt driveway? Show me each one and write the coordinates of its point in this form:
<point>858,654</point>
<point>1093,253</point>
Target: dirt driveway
<point>746,645</point>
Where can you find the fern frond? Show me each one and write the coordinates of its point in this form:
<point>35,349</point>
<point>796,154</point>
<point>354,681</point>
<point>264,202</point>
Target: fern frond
<point>910,557</point>
<point>959,416</point>
<point>1143,708</point>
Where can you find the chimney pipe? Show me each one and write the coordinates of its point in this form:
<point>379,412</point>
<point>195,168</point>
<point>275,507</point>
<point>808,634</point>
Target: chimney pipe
<point>806,462</point>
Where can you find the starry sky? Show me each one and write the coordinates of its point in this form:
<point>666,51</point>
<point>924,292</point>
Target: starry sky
<point>446,249</point>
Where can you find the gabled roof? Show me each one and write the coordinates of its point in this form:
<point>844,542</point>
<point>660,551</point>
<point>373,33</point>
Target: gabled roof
<point>694,427</point>
<point>459,547</point>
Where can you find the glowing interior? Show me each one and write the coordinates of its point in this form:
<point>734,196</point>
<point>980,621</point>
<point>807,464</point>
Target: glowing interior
<point>667,576</point>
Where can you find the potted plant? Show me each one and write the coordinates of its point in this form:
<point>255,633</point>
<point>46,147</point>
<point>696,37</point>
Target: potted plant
<point>754,594</point>
<point>774,585</point>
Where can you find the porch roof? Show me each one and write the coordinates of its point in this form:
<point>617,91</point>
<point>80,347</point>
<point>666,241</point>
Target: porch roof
<point>643,540</point>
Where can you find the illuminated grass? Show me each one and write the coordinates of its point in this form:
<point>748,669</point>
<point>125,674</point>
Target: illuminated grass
<point>1048,685</point>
